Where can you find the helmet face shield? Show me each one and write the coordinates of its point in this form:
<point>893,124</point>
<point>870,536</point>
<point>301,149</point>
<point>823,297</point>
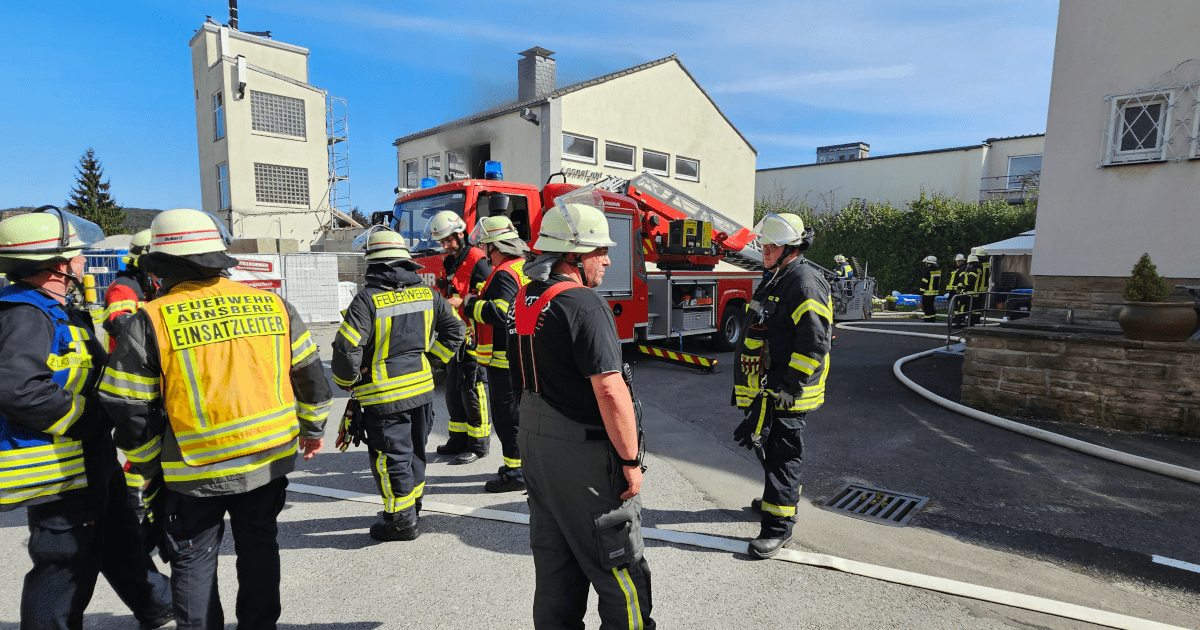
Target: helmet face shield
<point>774,229</point>
<point>360,242</point>
<point>75,232</point>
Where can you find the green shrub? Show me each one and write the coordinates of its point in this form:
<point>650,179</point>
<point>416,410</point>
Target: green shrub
<point>891,241</point>
<point>1144,284</point>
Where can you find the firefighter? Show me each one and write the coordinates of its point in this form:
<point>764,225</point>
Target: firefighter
<point>579,438</point>
<point>784,362</point>
<point>489,314</point>
<point>467,270</point>
<point>380,353</point>
<point>954,286</point>
<point>57,457</point>
<point>842,268</point>
<point>130,291</point>
<point>983,284</point>
<point>931,284</point>
<point>214,386</point>
<point>971,282</point>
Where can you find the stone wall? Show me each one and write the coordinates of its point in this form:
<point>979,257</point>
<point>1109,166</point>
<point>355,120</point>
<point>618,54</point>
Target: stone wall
<point>1092,379</point>
<point>1094,298</point>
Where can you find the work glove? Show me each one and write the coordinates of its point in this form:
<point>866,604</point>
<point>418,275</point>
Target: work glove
<point>754,430</point>
<point>784,400</point>
<point>752,350</point>
<point>350,429</point>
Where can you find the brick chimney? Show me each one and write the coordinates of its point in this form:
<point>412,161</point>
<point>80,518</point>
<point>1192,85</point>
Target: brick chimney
<point>536,75</point>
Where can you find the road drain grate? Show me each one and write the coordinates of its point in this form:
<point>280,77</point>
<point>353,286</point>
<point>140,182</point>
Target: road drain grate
<point>875,504</point>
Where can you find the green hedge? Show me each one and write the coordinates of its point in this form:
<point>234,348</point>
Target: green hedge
<point>892,241</point>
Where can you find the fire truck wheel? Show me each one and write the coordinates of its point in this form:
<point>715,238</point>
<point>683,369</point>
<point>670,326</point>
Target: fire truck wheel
<point>727,335</point>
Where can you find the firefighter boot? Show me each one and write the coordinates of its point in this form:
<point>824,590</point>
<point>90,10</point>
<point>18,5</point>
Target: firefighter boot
<point>476,449</point>
<point>393,527</point>
<point>455,445</point>
<point>507,480</point>
<point>767,547</point>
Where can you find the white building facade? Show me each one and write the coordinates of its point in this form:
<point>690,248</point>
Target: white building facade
<point>650,118</point>
<point>1122,163</point>
<point>261,132</point>
<point>998,167</point>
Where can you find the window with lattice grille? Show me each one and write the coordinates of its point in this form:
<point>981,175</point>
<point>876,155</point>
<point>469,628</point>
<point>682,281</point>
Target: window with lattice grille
<point>1139,126</point>
<point>274,183</point>
<point>274,113</point>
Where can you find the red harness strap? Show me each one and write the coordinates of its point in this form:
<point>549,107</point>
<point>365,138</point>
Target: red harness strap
<point>527,318</point>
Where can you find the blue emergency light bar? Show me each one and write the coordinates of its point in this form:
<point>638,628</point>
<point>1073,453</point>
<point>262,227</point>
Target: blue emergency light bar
<point>428,182</point>
<point>493,170</point>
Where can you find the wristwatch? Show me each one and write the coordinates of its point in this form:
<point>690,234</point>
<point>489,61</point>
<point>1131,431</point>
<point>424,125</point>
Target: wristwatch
<point>633,462</point>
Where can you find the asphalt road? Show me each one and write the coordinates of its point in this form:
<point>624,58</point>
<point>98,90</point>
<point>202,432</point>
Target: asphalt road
<point>1005,511</point>
<point>986,486</point>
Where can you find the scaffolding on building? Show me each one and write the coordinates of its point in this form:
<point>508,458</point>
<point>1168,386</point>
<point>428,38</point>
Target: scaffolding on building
<point>338,133</point>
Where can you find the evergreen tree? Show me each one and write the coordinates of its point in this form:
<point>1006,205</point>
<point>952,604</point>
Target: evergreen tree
<point>91,200</point>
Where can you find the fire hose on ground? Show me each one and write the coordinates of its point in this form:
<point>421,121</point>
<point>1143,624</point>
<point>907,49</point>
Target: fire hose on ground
<point>1095,450</point>
<point>887,574</point>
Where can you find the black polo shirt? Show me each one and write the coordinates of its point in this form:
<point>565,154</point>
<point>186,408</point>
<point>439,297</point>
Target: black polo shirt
<point>577,340</point>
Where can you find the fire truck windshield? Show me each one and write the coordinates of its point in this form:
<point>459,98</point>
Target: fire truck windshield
<point>414,217</point>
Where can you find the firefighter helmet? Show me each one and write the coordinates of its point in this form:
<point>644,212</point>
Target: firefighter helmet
<point>980,251</point>
<point>39,239</point>
<point>386,245</point>
<point>573,227</point>
<point>930,260</point>
<point>444,224</point>
<point>493,229</point>
<point>780,229</point>
<point>839,258</point>
<point>972,258</point>
<point>958,258</point>
<point>187,232</point>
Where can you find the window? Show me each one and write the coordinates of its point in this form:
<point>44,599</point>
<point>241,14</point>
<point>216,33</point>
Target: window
<point>410,174</point>
<point>218,116</point>
<point>1138,127</point>
<point>456,165</point>
<point>415,215</point>
<point>433,166</point>
<point>655,162</point>
<point>223,185</point>
<point>687,169</point>
<point>618,155</point>
<point>1024,172</point>
<point>579,148</point>
<point>273,113</point>
<point>274,183</point>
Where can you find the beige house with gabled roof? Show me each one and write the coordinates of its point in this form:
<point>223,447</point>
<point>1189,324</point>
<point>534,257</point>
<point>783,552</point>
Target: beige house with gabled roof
<point>651,118</point>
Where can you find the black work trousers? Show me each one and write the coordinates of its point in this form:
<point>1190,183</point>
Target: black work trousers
<point>467,402</point>
<point>781,494</point>
<point>929,305</point>
<point>580,530</point>
<point>75,539</point>
<point>194,529</point>
<point>396,445</point>
<point>506,411</point>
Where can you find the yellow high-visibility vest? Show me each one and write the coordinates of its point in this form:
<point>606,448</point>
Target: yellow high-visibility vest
<point>225,351</point>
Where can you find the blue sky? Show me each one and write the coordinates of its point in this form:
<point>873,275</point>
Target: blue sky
<point>901,75</point>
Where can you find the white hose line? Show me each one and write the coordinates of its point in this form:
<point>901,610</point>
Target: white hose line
<point>1135,461</point>
<point>886,574</point>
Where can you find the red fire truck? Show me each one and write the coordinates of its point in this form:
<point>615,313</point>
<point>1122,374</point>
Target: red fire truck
<point>679,269</point>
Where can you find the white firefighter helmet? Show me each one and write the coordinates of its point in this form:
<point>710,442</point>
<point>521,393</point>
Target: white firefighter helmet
<point>575,224</point>
<point>780,229</point>
<point>493,229</point>
<point>444,224</point>
<point>930,260</point>
<point>46,236</point>
<point>839,258</point>
<point>384,244</point>
<point>187,232</point>
<point>972,258</point>
<point>959,257</point>
<point>980,251</point>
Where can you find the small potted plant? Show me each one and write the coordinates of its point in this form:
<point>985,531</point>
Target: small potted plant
<point>1147,315</point>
